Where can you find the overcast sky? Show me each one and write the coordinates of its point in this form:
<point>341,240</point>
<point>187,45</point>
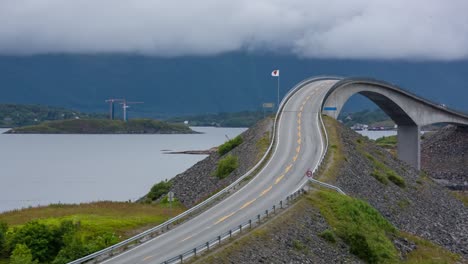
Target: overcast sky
<point>393,29</point>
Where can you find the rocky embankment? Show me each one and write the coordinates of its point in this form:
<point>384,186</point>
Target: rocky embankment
<point>410,200</point>
<point>422,207</point>
<point>444,155</point>
<point>198,182</point>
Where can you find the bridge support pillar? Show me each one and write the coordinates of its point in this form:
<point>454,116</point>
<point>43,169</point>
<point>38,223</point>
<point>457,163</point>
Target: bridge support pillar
<point>409,145</point>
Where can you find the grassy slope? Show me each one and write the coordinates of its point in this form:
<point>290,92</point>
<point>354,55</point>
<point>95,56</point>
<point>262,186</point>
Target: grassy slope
<point>354,221</point>
<point>104,126</point>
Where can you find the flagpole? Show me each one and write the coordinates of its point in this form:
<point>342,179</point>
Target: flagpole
<point>278,89</point>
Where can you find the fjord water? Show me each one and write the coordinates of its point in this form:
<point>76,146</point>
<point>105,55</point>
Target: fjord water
<point>44,169</point>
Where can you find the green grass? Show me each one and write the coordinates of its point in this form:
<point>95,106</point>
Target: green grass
<point>104,126</point>
<point>158,190</point>
<point>119,217</point>
<point>383,173</point>
<point>379,176</point>
<point>226,165</point>
<point>230,145</point>
<point>262,145</point>
<point>389,142</point>
<point>328,235</point>
<point>428,253</point>
<point>335,156</point>
<point>395,178</point>
<point>361,226</point>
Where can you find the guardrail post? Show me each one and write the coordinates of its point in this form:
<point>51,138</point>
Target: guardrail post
<point>281,204</point>
<point>195,252</point>
<point>230,233</point>
<point>219,239</point>
<point>266,212</point>
<point>240,228</point>
<point>181,257</point>
<point>207,246</point>
<point>250,223</point>
<point>258,218</point>
<point>274,208</point>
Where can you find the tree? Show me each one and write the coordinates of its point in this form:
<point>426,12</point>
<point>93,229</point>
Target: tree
<point>3,230</point>
<point>22,255</point>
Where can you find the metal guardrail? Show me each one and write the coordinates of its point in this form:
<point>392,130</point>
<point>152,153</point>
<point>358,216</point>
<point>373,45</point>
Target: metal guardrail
<point>216,241</point>
<point>160,228</point>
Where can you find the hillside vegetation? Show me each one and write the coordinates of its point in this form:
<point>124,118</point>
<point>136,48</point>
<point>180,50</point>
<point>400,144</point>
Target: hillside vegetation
<point>16,115</point>
<point>104,126</point>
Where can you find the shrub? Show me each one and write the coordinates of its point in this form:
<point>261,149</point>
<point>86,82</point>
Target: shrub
<point>22,255</point>
<point>396,179</point>
<point>159,190</point>
<point>229,145</point>
<point>328,236</point>
<point>379,176</point>
<point>226,166</point>
<point>298,245</point>
<point>3,230</point>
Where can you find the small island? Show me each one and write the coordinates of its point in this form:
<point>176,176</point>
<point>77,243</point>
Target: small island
<point>103,126</point>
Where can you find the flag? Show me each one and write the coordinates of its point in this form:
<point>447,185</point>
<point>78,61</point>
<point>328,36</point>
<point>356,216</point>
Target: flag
<point>275,73</point>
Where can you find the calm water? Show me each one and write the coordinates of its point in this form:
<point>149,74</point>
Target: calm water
<point>377,134</point>
<point>43,169</point>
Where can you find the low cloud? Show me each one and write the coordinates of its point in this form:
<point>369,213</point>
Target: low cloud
<point>387,29</point>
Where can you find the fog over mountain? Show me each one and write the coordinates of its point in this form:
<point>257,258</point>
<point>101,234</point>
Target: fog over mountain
<point>352,29</point>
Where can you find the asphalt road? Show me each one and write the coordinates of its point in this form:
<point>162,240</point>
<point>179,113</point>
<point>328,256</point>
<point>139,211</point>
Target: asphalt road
<point>299,147</point>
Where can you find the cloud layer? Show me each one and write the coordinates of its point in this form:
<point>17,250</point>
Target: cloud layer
<point>387,29</point>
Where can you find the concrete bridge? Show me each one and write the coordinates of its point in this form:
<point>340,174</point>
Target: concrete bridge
<point>408,111</point>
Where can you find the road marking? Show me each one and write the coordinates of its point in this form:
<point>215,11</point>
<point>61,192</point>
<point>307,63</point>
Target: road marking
<point>299,121</point>
<point>187,238</point>
<point>295,158</point>
<point>279,179</point>
<point>224,217</point>
<point>266,190</point>
<point>299,134</point>
<point>299,141</point>
<point>299,114</point>
<point>298,149</point>
<point>248,203</point>
<point>148,257</point>
<point>299,128</point>
<point>288,168</point>
<point>307,98</point>
<point>302,108</point>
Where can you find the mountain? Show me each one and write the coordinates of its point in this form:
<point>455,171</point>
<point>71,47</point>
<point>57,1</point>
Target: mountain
<point>210,84</point>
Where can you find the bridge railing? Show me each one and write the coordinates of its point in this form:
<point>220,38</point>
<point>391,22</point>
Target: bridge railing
<point>249,224</point>
<point>152,232</point>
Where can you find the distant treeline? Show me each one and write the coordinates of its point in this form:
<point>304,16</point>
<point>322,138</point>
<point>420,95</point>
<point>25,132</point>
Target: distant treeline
<point>17,115</point>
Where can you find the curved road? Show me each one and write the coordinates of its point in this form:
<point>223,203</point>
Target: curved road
<point>299,147</point>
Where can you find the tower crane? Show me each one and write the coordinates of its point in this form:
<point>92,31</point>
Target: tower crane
<point>111,102</point>
<point>125,105</point>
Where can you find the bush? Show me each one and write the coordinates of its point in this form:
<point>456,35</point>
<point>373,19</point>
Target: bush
<point>229,145</point>
<point>22,255</point>
<point>396,179</point>
<point>328,236</point>
<point>226,166</point>
<point>3,230</point>
<point>159,189</point>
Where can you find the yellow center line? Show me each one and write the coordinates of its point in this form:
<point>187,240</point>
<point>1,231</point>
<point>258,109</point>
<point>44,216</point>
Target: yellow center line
<point>295,158</point>
<point>224,218</point>
<point>299,141</point>
<point>148,257</point>
<point>299,134</point>
<point>299,114</point>
<point>302,108</point>
<point>279,179</point>
<point>248,203</point>
<point>288,168</point>
<point>266,190</point>
<point>189,237</point>
<point>307,98</point>
<point>298,149</point>
<point>299,121</point>
<point>299,127</point>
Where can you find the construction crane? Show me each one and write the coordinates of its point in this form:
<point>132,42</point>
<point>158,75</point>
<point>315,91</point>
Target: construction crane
<point>111,106</point>
<point>125,105</point>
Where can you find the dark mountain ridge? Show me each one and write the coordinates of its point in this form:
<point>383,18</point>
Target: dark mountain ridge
<point>191,85</point>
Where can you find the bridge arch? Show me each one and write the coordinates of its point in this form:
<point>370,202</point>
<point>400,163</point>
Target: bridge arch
<point>407,110</point>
